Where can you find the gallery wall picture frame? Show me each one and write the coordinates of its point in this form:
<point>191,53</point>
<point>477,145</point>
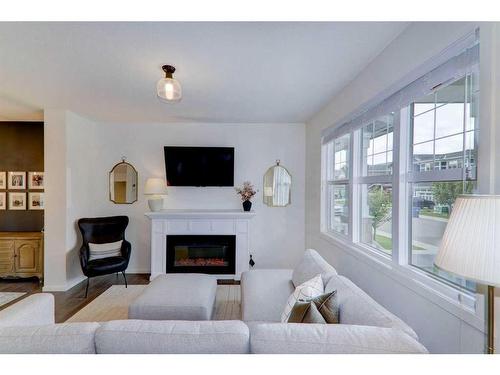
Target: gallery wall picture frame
<point>36,201</point>
<point>36,180</point>
<point>17,180</point>
<point>3,180</point>
<point>17,201</point>
<point>3,201</point>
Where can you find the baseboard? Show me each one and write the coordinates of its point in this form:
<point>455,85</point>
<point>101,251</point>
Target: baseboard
<point>62,288</point>
<point>132,270</point>
<point>76,280</point>
<point>54,288</point>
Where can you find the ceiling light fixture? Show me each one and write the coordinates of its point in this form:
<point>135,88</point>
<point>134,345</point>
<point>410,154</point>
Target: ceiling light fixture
<point>168,88</point>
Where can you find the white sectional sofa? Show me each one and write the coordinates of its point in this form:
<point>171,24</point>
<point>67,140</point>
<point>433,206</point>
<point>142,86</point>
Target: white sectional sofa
<point>21,334</point>
<point>365,326</point>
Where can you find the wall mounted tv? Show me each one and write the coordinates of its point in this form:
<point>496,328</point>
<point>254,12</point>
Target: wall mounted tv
<point>199,166</point>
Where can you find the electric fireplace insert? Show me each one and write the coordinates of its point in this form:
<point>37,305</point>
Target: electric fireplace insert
<point>212,254</point>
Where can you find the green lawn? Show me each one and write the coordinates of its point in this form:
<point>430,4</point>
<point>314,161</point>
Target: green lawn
<point>386,243</point>
<point>428,212</point>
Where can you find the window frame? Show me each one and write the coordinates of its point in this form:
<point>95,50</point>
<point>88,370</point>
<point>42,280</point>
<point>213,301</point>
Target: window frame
<point>360,180</point>
<point>455,299</point>
<point>438,175</point>
<point>329,168</point>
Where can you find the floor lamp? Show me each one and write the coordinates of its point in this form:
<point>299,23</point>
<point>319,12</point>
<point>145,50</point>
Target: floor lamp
<point>471,247</point>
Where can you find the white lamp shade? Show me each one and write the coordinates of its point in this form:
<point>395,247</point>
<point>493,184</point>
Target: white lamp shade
<point>155,186</point>
<point>169,90</point>
<point>471,242</point>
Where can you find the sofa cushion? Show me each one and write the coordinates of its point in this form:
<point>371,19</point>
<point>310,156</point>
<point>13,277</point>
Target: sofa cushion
<point>66,338</point>
<point>264,294</point>
<point>306,291</point>
<point>176,297</point>
<point>357,307</point>
<point>291,338</point>
<point>309,266</point>
<point>177,337</point>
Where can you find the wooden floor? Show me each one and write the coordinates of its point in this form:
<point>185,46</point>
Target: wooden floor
<point>69,302</point>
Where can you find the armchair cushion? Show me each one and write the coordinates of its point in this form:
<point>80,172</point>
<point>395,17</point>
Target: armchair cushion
<point>105,266</point>
<point>105,250</point>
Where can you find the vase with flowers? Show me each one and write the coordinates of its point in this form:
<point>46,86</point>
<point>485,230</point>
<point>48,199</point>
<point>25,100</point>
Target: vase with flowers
<point>246,193</point>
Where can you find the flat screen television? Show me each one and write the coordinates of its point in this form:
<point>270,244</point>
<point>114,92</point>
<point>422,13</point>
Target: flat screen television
<point>199,166</point>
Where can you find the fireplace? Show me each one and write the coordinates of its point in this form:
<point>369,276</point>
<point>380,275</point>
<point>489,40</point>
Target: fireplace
<point>213,254</point>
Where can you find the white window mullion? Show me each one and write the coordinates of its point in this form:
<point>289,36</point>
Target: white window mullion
<point>402,222</point>
<point>355,168</point>
<point>396,187</point>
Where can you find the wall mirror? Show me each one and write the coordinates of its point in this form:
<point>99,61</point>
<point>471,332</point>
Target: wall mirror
<point>277,186</point>
<point>123,183</point>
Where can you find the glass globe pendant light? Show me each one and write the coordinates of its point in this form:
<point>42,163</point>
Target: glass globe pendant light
<point>169,89</point>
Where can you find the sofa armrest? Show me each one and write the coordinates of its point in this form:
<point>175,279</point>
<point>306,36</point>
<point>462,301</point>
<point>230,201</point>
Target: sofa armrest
<point>65,338</point>
<point>34,310</point>
<point>292,338</point>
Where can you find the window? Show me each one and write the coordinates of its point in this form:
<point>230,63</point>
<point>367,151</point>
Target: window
<point>375,187</point>
<point>338,154</point>
<point>443,131</point>
<point>401,164</point>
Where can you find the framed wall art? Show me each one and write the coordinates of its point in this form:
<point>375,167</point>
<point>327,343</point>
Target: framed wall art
<point>35,201</point>
<point>3,200</point>
<point>17,201</point>
<point>35,180</point>
<point>17,180</point>
<point>3,180</point>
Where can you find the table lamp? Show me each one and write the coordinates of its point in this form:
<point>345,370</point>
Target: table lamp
<point>471,247</point>
<point>156,187</point>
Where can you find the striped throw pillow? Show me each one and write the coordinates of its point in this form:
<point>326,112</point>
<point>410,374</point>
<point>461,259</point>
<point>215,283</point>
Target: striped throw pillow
<point>306,291</point>
<point>105,250</point>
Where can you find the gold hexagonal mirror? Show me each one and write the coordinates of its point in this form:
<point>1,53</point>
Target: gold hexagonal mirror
<point>277,186</point>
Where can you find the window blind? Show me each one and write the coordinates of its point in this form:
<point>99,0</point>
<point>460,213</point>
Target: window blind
<point>451,70</point>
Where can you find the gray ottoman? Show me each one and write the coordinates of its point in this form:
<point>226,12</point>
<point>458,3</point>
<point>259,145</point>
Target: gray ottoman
<point>180,296</point>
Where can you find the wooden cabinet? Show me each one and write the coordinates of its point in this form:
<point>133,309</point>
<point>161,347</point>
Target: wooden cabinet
<point>21,254</point>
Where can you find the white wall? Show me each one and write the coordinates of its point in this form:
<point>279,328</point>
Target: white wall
<point>68,139</point>
<point>278,235</point>
<point>439,330</point>
<point>55,199</point>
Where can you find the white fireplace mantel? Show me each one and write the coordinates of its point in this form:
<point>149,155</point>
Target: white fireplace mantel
<point>199,222</point>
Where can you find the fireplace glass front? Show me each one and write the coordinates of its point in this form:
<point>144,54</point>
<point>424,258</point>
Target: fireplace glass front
<point>201,254</point>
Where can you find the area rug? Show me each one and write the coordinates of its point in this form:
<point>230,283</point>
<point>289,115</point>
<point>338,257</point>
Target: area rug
<point>6,297</point>
<point>114,302</point>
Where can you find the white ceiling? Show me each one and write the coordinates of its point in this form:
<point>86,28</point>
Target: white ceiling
<point>230,72</point>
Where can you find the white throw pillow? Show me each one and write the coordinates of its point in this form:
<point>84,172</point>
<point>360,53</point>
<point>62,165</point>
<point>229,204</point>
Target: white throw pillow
<point>310,289</point>
<point>105,250</point>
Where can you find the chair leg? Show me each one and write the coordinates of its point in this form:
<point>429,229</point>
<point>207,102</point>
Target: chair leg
<point>87,287</point>
<point>125,277</point>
